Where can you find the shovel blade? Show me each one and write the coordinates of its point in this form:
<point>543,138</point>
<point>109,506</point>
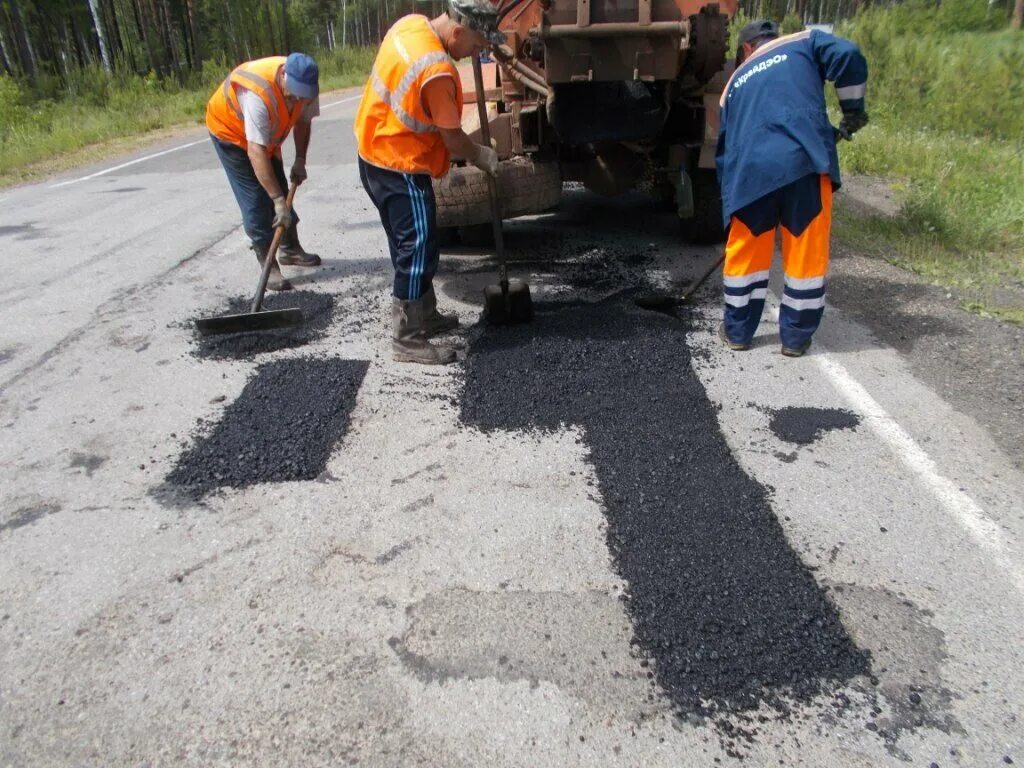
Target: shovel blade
<point>501,308</point>
<point>250,321</point>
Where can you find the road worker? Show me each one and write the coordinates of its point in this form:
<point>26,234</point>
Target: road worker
<point>408,128</point>
<point>778,166</point>
<point>249,117</point>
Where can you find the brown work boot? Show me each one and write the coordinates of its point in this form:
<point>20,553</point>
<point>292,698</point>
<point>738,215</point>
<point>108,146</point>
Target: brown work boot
<point>292,254</point>
<point>796,351</point>
<point>735,346</point>
<point>409,341</point>
<point>434,322</point>
<point>276,281</point>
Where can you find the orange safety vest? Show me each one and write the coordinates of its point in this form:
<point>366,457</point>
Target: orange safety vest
<point>224,114</point>
<point>392,128</point>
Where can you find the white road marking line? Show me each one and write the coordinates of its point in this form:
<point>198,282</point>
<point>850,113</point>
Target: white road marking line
<point>342,101</point>
<point>172,149</point>
<point>125,165</point>
<point>961,507</point>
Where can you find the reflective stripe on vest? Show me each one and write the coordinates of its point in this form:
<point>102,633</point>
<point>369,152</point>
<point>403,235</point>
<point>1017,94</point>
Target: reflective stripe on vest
<point>224,116</point>
<point>392,126</point>
<point>394,100</point>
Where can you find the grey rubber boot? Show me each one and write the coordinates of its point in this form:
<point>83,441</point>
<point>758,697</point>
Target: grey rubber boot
<point>292,253</point>
<point>435,322</point>
<point>409,341</point>
<point>276,281</point>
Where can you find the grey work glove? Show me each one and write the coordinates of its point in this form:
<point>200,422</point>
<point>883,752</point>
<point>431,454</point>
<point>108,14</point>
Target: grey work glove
<point>852,122</point>
<point>486,160</point>
<point>283,216</point>
<point>298,174</point>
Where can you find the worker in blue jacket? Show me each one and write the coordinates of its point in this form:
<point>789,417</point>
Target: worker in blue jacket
<point>778,166</point>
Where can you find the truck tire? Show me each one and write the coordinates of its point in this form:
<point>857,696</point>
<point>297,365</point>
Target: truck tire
<point>705,226</point>
<point>524,187</point>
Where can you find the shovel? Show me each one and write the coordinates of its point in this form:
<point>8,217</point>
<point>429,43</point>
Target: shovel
<point>663,301</point>
<point>509,301</point>
<point>256,319</point>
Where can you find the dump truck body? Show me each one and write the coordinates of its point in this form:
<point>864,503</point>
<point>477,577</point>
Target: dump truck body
<point>610,93</point>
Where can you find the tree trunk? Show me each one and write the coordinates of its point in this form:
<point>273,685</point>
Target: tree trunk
<point>1018,15</point>
<point>344,23</point>
<point>142,27</point>
<point>5,57</point>
<point>171,38</point>
<point>101,35</point>
<point>284,28</point>
<point>21,38</point>
<point>197,42</point>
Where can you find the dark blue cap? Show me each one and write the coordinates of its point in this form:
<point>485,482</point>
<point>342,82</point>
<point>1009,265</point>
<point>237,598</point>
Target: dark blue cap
<point>302,76</point>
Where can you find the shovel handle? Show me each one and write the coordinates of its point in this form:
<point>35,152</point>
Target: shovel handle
<point>492,184</point>
<point>271,260</point>
<point>703,278</point>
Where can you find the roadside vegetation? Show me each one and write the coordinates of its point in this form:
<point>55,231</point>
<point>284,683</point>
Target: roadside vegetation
<point>96,109</point>
<point>80,79</point>
<point>946,100</point>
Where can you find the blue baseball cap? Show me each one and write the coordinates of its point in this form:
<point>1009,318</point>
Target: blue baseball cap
<point>302,76</point>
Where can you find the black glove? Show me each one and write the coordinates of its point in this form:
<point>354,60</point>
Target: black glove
<point>853,120</point>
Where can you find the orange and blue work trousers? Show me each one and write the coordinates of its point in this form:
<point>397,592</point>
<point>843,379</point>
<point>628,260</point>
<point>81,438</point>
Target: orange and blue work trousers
<point>803,211</point>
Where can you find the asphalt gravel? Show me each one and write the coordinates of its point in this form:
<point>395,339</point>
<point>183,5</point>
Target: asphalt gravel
<point>317,311</point>
<point>283,426</point>
<point>719,601</point>
<point>805,425</point>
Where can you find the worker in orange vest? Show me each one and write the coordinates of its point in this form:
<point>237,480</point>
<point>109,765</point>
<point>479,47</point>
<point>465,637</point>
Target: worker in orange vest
<point>249,117</point>
<point>408,128</point>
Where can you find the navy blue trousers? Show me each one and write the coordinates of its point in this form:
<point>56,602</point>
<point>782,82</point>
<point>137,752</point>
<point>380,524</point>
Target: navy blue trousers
<point>256,206</point>
<point>408,212</point>
<point>803,212</point>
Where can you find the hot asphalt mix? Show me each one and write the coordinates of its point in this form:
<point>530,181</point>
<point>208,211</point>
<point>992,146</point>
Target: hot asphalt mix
<point>719,601</point>
<point>283,426</point>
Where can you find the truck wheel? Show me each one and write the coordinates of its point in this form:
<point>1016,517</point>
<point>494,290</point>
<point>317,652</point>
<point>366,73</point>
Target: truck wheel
<point>705,226</point>
<point>524,187</point>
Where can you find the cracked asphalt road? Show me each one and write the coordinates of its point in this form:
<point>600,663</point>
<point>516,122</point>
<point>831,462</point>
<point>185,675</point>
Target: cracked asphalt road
<point>441,594</point>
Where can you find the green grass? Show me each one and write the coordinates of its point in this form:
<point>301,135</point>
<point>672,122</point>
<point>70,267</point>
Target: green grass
<point>39,129</point>
<point>961,217</point>
<point>947,106</point>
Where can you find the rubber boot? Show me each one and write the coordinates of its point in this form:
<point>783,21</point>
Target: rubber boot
<point>292,254</point>
<point>434,322</point>
<point>276,281</point>
<point>409,341</point>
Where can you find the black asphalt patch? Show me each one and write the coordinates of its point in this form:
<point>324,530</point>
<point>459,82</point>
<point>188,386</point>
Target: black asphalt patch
<point>719,601</point>
<point>805,425</point>
<point>317,311</point>
<point>283,426</point>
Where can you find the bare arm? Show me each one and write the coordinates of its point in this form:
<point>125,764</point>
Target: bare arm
<point>260,160</point>
<point>459,144</point>
<point>302,133</point>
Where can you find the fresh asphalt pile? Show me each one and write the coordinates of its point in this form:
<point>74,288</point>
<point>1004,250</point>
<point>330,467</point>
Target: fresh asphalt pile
<point>283,426</point>
<point>317,310</point>
<point>719,601</point>
<point>805,425</point>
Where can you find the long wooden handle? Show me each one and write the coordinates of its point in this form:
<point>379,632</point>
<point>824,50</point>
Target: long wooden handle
<point>492,185</point>
<point>271,260</point>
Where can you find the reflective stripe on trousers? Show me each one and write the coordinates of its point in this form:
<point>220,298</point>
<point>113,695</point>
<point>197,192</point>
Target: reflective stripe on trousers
<point>803,212</point>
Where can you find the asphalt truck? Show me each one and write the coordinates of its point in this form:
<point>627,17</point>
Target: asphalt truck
<point>613,94</point>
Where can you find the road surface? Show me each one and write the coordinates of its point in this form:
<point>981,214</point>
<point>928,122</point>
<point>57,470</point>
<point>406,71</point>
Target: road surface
<point>520,560</point>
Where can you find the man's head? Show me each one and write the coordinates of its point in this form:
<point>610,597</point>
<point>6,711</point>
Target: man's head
<point>753,36</point>
<point>473,27</point>
<point>301,77</point>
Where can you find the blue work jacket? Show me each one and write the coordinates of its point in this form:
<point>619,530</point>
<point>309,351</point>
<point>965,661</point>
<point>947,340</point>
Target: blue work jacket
<point>774,127</point>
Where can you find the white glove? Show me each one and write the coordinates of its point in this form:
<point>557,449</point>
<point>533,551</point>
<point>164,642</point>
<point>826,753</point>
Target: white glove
<point>282,213</point>
<point>299,170</point>
<point>486,160</point>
